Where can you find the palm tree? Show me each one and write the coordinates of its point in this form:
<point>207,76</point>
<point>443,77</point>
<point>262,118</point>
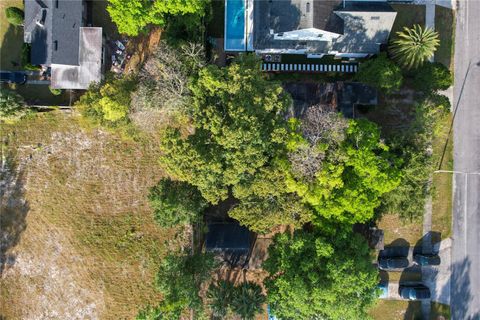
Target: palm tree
<point>414,46</point>
<point>219,297</point>
<point>248,300</point>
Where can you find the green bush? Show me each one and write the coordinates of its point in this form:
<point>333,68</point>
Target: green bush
<point>55,92</point>
<point>440,101</point>
<point>381,73</point>
<point>431,77</point>
<point>14,16</point>
<point>175,202</point>
<point>11,104</point>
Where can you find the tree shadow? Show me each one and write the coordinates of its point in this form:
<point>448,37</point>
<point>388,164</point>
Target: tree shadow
<point>10,55</point>
<point>13,212</point>
<point>461,291</point>
<point>414,311</point>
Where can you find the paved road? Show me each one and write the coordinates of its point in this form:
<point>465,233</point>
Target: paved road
<point>465,282</point>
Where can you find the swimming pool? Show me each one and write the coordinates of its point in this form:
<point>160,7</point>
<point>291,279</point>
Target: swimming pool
<point>235,25</point>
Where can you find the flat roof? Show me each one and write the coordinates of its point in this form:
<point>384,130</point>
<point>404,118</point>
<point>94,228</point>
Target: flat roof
<point>90,63</point>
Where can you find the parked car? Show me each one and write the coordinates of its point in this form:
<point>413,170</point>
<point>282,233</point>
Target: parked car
<point>427,259</point>
<point>383,287</point>
<point>392,263</point>
<point>13,77</point>
<point>414,292</point>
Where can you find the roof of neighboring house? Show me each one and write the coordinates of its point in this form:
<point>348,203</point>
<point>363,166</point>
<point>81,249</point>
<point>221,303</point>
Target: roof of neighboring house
<point>347,26</point>
<point>52,27</point>
<point>89,65</point>
<point>366,26</point>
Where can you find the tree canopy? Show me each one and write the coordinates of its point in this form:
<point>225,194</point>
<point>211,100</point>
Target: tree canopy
<point>179,279</point>
<point>133,16</point>
<point>431,77</point>
<point>175,202</point>
<point>381,73</point>
<point>320,275</point>
<point>353,176</point>
<point>107,103</point>
<point>238,129</point>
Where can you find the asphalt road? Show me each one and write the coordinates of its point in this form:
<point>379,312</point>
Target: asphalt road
<point>465,280</point>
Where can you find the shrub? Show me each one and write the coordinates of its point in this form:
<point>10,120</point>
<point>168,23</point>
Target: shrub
<point>381,73</point>
<point>11,104</point>
<point>55,92</point>
<point>431,77</point>
<point>14,16</point>
<point>175,203</point>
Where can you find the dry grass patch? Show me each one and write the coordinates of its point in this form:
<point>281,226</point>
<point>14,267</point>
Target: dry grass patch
<point>396,310</point>
<point>90,248</point>
<point>395,228</point>
<point>442,182</point>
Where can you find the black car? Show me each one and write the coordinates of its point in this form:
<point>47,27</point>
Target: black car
<point>426,259</point>
<point>391,263</point>
<point>13,77</point>
<point>414,292</point>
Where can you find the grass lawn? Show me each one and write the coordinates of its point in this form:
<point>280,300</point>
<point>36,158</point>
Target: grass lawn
<point>394,229</point>
<point>445,26</point>
<point>407,16</point>
<point>396,310</point>
<point>86,241</point>
<point>439,309</point>
<point>11,38</point>
<point>404,276</point>
<point>442,182</point>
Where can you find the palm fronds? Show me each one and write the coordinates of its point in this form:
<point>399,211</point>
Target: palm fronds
<point>413,46</point>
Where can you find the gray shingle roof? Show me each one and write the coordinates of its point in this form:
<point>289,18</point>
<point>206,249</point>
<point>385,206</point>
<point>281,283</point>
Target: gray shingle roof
<point>52,29</point>
<point>362,25</point>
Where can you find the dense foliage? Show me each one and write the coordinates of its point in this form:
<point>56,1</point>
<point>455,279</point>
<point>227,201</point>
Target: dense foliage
<point>431,77</point>
<point>412,47</point>
<point>412,144</point>
<point>320,275</point>
<point>107,103</point>
<point>352,177</point>
<point>14,15</point>
<point>381,73</point>
<point>238,128</point>
<point>133,16</point>
<point>245,300</point>
<point>175,203</point>
<point>11,104</point>
<point>265,202</point>
<point>179,280</point>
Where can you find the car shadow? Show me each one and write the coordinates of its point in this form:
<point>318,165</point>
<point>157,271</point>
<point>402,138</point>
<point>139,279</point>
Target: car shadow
<point>398,248</point>
<point>426,243</point>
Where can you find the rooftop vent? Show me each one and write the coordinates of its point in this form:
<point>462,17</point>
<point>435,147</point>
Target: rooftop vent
<point>375,18</point>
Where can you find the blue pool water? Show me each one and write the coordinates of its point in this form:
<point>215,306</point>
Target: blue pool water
<point>235,25</point>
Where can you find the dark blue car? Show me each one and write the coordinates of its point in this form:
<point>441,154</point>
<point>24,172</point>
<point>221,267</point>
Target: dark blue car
<point>13,77</point>
<point>414,292</point>
<point>427,259</point>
